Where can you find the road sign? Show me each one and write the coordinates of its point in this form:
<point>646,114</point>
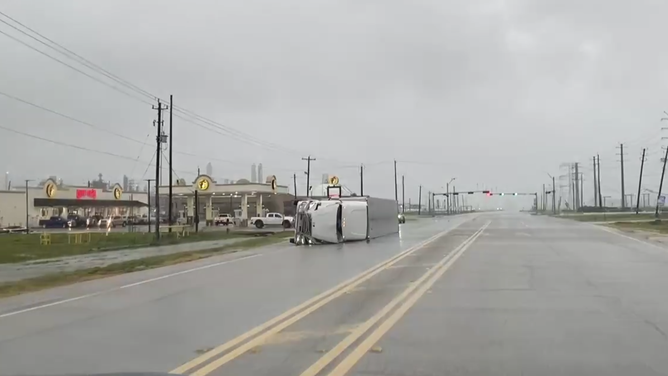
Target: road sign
<point>662,200</point>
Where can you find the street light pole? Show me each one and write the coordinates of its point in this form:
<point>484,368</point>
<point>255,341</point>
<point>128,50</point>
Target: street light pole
<point>148,200</point>
<point>554,190</point>
<point>27,210</point>
<point>447,190</point>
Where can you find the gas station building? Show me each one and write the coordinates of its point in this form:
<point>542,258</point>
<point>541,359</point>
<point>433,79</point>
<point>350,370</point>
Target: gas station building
<point>51,199</point>
<point>242,200</point>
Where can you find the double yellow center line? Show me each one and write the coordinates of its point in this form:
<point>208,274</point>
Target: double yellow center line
<point>407,298</point>
<point>261,333</point>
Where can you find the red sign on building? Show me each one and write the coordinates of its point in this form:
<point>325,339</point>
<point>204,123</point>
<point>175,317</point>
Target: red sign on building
<point>86,193</point>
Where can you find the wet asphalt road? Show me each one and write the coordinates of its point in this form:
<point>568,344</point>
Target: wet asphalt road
<point>526,295</point>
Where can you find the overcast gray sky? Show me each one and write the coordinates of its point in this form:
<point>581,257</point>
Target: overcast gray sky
<point>489,91</point>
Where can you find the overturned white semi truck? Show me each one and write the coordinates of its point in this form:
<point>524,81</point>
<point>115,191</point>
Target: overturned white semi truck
<point>344,219</point>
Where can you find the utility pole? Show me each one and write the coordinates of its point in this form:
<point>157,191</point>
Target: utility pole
<point>362,180</point>
<point>27,210</point>
<point>294,179</point>
<point>403,195</point>
<point>595,183</point>
<point>308,174</point>
<point>149,203</point>
<point>420,200</point>
<point>642,165</point>
<point>598,176</point>
<point>171,165</point>
<point>577,186</point>
<point>582,198</point>
<point>429,203</point>
<point>571,195</point>
<point>663,172</point>
<point>543,199</point>
<point>396,194</point>
<point>554,200</point>
<point>621,154</point>
<point>196,212</point>
<point>158,149</point>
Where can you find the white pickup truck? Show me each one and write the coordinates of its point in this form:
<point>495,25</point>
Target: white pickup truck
<point>272,219</point>
<point>223,219</point>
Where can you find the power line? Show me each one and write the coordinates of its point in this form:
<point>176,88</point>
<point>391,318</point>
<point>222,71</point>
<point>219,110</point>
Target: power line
<point>241,136</point>
<point>71,67</point>
<point>148,166</point>
<point>228,131</point>
<point>103,129</point>
<point>70,53</point>
<point>75,146</point>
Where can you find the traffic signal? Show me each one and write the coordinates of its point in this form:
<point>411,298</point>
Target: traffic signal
<point>487,192</point>
<point>470,192</point>
<point>515,194</point>
<point>502,194</point>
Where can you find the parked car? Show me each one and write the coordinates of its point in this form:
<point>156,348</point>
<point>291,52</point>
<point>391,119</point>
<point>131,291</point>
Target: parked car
<point>93,221</point>
<point>78,220</point>
<point>57,222</point>
<point>223,219</point>
<point>114,221</point>
<point>133,220</point>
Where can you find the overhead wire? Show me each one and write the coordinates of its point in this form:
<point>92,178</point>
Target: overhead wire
<point>75,69</point>
<point>81,59</point>
<point>148,165</point>
<point>106,130</point>
<point>72,145</point>
<point>240,136</point>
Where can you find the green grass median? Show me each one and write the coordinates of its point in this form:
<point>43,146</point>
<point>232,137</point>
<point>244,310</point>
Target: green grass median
<point>66,278</point>
<point>649,226</point>
<point>16,248</point>
<point>612,217</point>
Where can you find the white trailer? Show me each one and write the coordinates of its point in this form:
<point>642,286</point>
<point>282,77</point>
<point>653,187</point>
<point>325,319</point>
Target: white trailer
<point>344,219</point>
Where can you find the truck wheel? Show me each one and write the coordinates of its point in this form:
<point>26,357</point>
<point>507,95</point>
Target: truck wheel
<point>286,224</point>
<point>259,224</point>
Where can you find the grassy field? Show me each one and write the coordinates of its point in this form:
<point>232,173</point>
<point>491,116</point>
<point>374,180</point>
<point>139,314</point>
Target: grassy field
<point>21,247</point>
<point>600,217</point>
<point>60,279</point>
<point>651,226</point>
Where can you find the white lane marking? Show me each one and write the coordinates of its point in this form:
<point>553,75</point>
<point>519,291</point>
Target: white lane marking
<point>629,237</point>
<point>189,271</point>
<point>59,302</point>
<point>52,304</point>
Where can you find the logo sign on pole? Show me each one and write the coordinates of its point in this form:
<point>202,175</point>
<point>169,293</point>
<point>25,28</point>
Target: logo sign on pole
<point>274,184</point>
<point>333,180</point>
<point>50,189</point>
<point>203,183</point>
